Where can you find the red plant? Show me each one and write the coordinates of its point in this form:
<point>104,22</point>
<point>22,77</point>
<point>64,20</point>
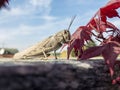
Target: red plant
<point>109,50</point>
<point>3,3</point>
<point>109,47</point>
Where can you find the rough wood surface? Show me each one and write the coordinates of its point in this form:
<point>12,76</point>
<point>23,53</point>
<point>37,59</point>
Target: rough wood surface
<point>55,75</point>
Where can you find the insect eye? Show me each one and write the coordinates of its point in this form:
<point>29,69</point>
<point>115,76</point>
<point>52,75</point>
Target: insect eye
<point>65,32</point>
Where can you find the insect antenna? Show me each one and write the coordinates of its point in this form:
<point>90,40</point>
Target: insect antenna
<point>71,22</point>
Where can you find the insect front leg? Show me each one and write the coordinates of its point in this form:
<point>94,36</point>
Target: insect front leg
<point>43,51</point>
<point>55,54</point>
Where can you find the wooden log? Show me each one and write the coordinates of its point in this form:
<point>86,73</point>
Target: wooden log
<point>56,75</point>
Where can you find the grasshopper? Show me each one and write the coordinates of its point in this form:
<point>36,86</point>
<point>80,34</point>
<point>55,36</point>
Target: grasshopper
<point>42,49</point>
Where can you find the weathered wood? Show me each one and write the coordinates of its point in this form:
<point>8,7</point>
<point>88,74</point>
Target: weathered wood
<point>56,75</point>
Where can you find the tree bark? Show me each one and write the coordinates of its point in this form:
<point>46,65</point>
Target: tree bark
<point>56,75</point>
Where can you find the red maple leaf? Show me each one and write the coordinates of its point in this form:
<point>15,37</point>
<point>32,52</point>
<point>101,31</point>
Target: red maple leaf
<point>3,3</point>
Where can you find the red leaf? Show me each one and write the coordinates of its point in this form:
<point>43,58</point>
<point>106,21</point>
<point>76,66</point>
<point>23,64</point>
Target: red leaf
<point>3,3</point>
<point>81,35</point>
<point>92,52</point>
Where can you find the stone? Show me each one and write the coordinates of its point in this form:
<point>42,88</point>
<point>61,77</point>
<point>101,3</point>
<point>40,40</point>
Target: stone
<point>60,75</point>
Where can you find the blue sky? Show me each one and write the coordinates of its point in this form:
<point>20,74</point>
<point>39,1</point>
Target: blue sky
<point>30,21</point>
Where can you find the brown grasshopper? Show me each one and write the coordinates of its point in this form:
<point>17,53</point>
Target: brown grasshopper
<point>43,48</point>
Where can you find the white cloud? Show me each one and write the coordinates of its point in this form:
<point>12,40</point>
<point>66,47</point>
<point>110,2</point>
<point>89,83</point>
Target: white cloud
<point>16,11</point>
<point>40,3</point>
<point>116,23</point>
<point>34,23</point>
<point>48,18</point>
<point>43,6</point>
<point>31,7</point>
<point>90,2</point>
<point>35,33</point>
<point>53,25</point>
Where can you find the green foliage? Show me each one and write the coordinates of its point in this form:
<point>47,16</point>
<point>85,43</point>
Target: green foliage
<point>58,54</point>
<point>90,44</point>
<point>73,53</point>
<point>9,50</point>
<point>63,53</point>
